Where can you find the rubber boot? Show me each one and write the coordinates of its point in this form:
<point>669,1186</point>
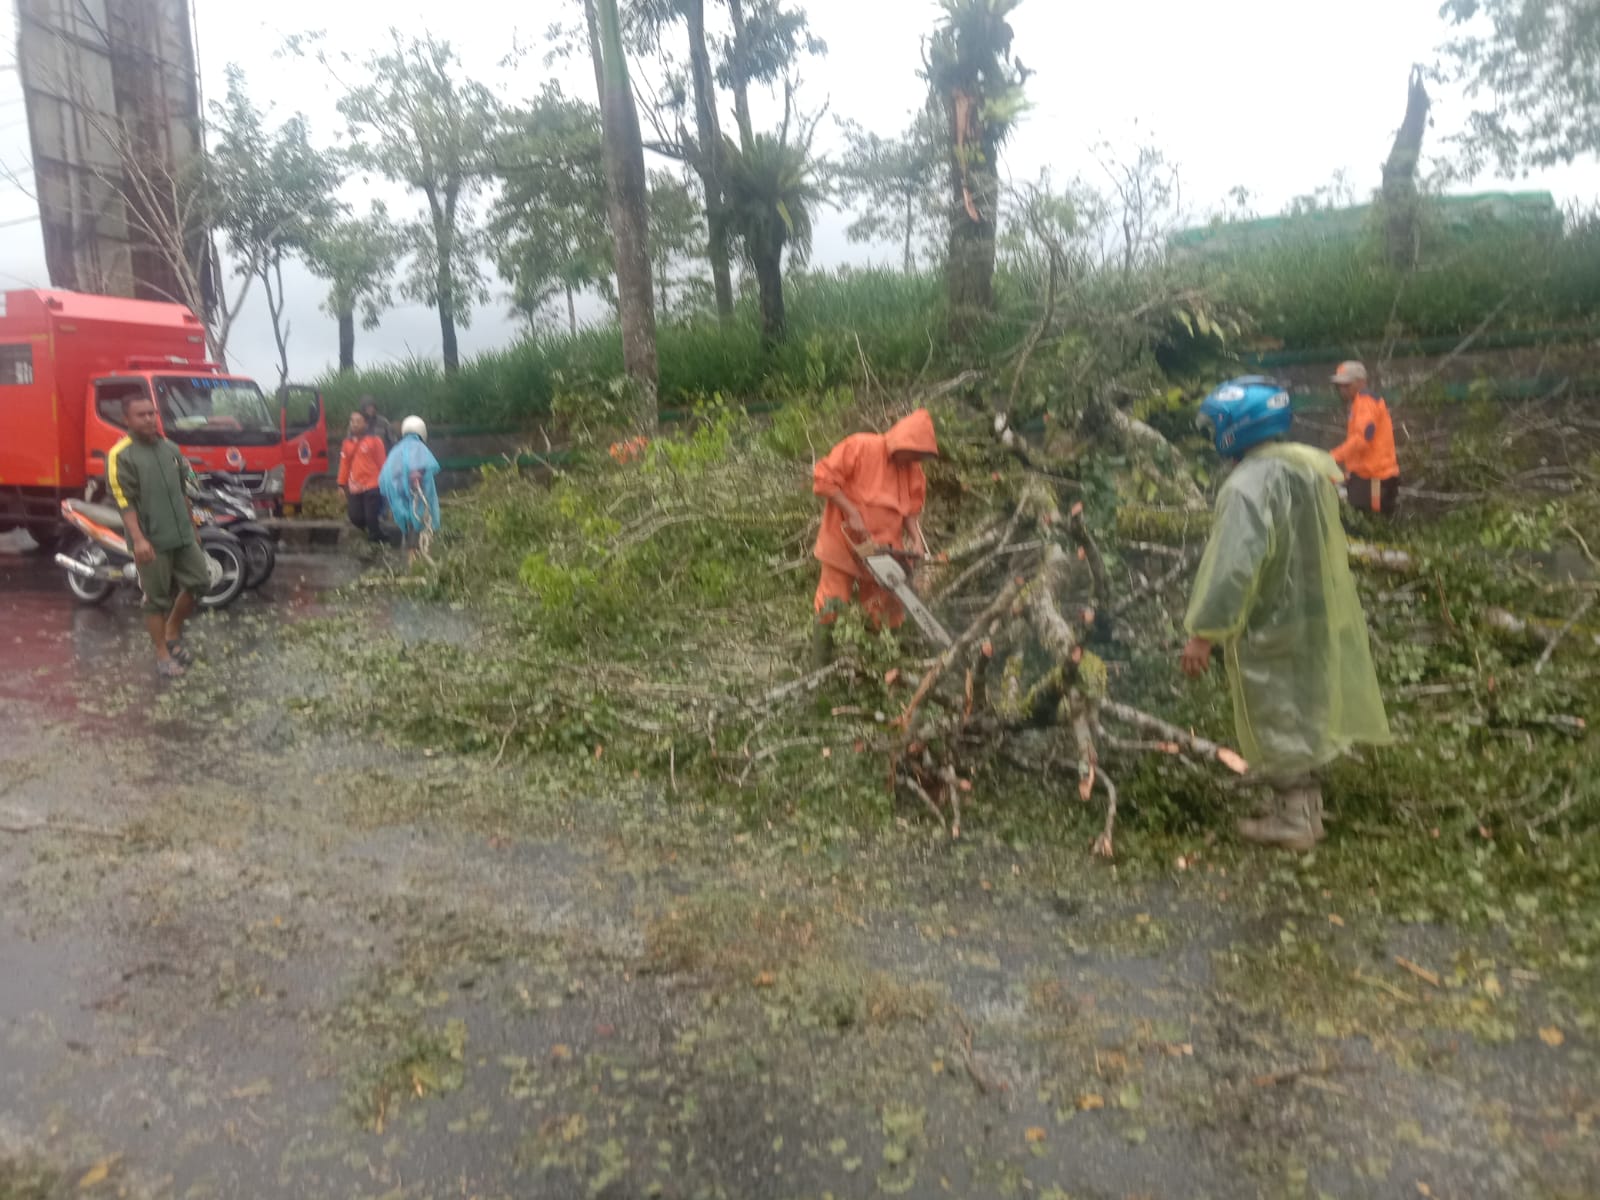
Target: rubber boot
<point>1294,823</point>
<point>821,645</point>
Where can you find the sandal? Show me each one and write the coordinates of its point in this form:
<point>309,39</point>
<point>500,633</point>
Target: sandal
<point>170,668</point>
<point>180,652</point>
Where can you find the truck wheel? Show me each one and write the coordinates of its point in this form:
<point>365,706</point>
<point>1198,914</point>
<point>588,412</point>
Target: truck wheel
<point>86,590</point>
<point>228,572</point>
<point>260,557</point>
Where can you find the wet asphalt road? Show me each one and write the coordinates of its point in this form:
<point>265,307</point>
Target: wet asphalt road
<point>245,956</point>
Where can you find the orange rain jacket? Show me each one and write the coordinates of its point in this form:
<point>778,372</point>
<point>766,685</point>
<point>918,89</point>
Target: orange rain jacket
<point>1368,447</point>
<point>360,463</point>
<point>885,493</point>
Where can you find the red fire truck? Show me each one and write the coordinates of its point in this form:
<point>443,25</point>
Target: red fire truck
<point>67,360</point>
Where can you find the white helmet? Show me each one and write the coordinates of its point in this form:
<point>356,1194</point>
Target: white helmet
<point>414,425</point>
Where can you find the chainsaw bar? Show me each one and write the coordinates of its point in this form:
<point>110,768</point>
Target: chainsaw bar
<point>890,574</point>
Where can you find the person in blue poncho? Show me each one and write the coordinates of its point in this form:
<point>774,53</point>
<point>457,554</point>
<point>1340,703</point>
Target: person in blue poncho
<point>407,481</point>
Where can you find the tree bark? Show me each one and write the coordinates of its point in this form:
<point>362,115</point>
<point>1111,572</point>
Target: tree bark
<point>1401,202</point>
<point>911,199</point>
<point>741,87</point>
<point>627,202</point>
<point>443,214</point>
<point>572,312</point>
<point>974,205</point>
<point>347,340</point>
<point>769,278</point>
<point>272,282</point>
<point>708,164</point>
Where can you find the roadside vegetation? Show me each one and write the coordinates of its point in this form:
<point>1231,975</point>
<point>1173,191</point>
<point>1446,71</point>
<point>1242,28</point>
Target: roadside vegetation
<point>1301,292</point>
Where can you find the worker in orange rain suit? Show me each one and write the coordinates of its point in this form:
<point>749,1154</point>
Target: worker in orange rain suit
<point>1367,454</point>
<point>875,489</point>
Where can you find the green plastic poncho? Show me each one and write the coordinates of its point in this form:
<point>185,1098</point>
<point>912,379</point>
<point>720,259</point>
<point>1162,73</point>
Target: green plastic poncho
<point>1274,592</point>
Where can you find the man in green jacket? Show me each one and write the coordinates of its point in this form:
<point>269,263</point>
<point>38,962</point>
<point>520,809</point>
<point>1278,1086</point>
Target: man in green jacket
<point>147,475</point>
<point>1274,593</point>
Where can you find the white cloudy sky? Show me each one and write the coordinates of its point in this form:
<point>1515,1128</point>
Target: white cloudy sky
<point>1274,95</point>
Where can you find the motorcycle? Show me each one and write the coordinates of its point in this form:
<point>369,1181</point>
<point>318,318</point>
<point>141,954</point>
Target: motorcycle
<point>98,559</point>
<point>224,504</point>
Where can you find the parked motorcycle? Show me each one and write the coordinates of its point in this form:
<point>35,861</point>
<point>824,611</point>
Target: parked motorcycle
<point>221,502</point>
<point>97,558</point>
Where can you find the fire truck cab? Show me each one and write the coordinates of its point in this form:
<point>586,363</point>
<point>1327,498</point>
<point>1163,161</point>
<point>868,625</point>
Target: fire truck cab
<point>68,361</point>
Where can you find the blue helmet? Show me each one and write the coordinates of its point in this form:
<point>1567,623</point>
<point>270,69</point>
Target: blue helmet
<point>1245,412</point>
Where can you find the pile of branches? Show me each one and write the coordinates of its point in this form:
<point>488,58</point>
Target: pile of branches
<point>1024,662</point>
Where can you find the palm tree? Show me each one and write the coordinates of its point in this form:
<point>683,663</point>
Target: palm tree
<point>976,84</point>
<point>770,193</point>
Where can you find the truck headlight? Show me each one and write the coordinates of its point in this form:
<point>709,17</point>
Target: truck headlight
<point>272,481</point>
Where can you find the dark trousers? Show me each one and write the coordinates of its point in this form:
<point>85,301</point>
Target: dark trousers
<point>364,510</point>
<point>1373,495</point>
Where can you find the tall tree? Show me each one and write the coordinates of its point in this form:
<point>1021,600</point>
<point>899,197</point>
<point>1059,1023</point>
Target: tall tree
<point>768,40</point>
<point>708,163</point>
<point>419,122</point>
<point>1533,63</point>
<point>677,230</point>
<point>771,193</point>
<point>758,43</point>
<point>548,226</point>
<point>275,191</point>
<point>627,202</point>
<point>1399,196</point>
<point>895,186</point>
<point>977,85</point>
<point>357,257</point>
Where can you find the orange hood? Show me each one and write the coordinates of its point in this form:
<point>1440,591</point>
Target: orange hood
<point>914,433</point>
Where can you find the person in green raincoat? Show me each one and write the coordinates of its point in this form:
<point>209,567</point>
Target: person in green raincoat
<point>1275,596</point>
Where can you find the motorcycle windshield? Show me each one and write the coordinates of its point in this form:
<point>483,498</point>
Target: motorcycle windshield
<point>204,410</point>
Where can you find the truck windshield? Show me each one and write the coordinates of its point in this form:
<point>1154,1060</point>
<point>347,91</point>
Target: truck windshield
<point>203,410</point>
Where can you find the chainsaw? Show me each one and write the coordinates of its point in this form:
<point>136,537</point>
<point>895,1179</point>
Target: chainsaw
<point>892,570</point>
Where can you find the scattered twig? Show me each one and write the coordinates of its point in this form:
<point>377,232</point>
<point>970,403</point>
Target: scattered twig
<point>1568,799</point>
<point>1157,548</point>
<point>1179,569</point>
<point>1000,604</point>
<point>806,683</point>
<point>1429,977</point>
<point>977,567</point>
<point>1102,844</point>
<point>1555,638</point>
<point>984,1082</point>
<point>1385,986</point>
<point>1587,553</point>
<point>965,379</point>
<point>776,748</point>
<point>1045,318</point>
<point>1091,553</point>
<point>505,738</point>
<point>1465,343</point>
<point>1171,733</point>
<point>921,793</point>
<point>866,368</point>
<point>66,827</point>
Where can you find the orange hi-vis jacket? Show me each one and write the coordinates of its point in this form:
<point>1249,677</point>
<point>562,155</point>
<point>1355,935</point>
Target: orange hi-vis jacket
<point>886,494</point>
<point>361,462</point>
<point>1368,447</point>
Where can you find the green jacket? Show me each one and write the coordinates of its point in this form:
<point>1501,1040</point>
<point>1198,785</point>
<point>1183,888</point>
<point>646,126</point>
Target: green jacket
<point>1274,591</point>
<point>149,480</point>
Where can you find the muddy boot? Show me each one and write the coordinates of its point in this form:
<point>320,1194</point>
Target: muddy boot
<point>1294,823</point>
<point>821,645</point>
